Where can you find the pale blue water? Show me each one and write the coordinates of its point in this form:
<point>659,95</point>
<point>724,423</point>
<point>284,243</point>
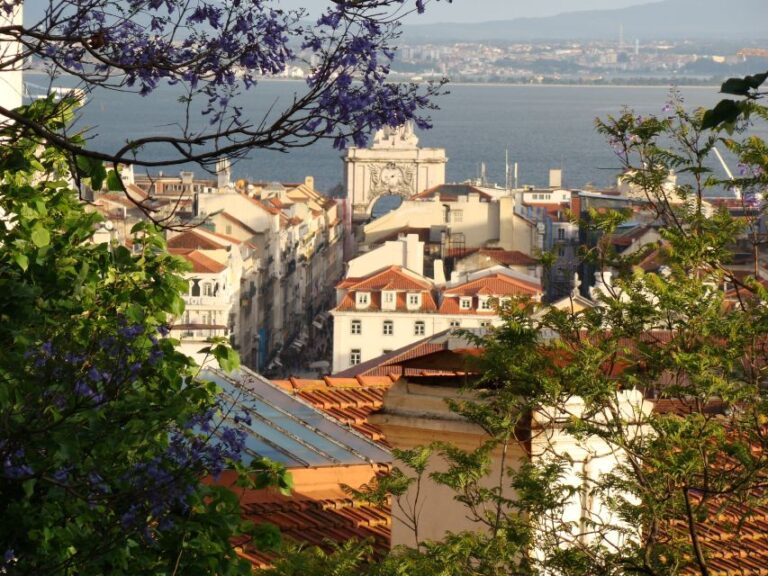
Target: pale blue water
<point>543,127</point>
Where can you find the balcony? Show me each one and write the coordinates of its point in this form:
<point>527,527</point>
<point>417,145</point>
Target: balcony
<point>199,331</point>
<point>208,301</point>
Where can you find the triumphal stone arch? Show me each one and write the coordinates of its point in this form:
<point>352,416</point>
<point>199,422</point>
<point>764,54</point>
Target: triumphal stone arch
<point>394,164</point>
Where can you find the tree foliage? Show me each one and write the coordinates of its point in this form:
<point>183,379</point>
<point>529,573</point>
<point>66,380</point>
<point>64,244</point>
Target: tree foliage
<point>106,433</point>
<point>217,53</point>
<point>687,342</point>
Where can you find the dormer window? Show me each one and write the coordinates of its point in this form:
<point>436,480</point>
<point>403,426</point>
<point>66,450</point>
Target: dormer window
<point>363,299</point>
<point>465,303</point>
<point>484,303</point>
<point>388,300</point>
<point>414,301</point>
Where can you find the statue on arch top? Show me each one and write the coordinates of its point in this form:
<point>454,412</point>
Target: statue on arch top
<point>402,137</point>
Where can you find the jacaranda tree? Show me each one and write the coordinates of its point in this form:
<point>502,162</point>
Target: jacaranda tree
<point>105,431</point>
<point>217,51</point>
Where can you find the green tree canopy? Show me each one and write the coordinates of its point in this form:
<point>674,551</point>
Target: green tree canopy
<point>105,431</point>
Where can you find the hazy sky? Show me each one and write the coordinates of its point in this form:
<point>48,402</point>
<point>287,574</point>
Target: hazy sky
<point>483,10</point>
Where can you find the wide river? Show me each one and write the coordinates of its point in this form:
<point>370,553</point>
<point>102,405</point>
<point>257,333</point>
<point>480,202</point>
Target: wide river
<point>542,127</point>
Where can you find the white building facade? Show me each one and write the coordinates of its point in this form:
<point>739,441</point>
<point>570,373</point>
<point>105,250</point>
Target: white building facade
<point>394,307</point>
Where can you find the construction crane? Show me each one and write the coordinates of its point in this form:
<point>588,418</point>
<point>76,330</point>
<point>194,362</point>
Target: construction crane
<point>736,189</point>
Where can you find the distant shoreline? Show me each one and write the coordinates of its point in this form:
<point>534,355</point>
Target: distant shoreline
<point>665,84</point>
<point>583,85</point>
<point>660,84</point>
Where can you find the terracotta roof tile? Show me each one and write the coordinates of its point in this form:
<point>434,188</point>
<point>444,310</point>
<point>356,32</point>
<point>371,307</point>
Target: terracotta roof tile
<point>201,263</point>
<point>394,276</point>
<point>316,521</point>
<point>497,285</point>
<point>194,240</point>
<point>451,306</point>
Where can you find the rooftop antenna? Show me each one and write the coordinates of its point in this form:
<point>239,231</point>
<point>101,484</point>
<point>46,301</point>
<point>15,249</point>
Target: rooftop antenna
<point>736,189</point>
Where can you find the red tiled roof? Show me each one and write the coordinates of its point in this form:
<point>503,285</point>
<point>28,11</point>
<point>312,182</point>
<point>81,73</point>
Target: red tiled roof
<point>201,263</point>
<point>496,284</point>
<point>652,261</point>
<point>193,240</point>
<point>732,534</point>
<point>451,306</point>
<point>390,276</point>
<point>349,303</point>
<point>315,522</point>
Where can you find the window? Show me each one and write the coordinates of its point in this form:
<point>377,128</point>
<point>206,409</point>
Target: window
<point>561,233</point>
<point>485,324</point>
<point>389,328</point>
<point>414,301</point>
<point>357,327</point>
<point>388,299</point>
<point>465,303</point>
<point>561,251</point>
<point>207,289</point>
<point>363,299</point>
<point>419,328</point>
<point>484,304</point>
<point>228,229</point>
<point>457,216</point>
<point>354,356</point>
<point>455,324</point>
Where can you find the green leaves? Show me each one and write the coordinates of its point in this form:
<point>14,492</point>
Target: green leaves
<point>22,260</point>
<point>40,236</point>
<point>93,394</point>
<point>114,183</point>
<point>743,86</point>
<point>222,351</point>
<point>93,169</point>
<point>727,112</point>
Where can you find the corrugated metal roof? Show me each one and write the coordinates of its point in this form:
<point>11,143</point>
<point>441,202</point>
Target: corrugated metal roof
<point>289,430</point>
<point>349,400</point>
